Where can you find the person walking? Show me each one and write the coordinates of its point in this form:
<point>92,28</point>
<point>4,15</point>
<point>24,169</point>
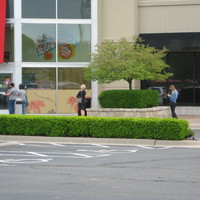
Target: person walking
<point>12,96</point>
<point>173,100</point>
<point>22,95</point>
<point>81,101</point>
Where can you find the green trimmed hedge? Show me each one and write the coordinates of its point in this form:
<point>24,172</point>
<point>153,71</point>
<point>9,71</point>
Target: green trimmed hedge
<point>128,98</point>
<point>163,129</point>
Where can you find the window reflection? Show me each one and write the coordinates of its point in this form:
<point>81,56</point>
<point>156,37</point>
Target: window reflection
<point>71,78</point>
<point>39,43</point>
<point>38,9</point>
<point>10,9</point>
<point>5,79</point>
<point>40,84</point>
<point>9,43</point>
<point>74,43</point>
<point>76,9</point>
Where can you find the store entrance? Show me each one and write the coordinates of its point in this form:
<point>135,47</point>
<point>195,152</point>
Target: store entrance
<point>5,79</point>
<point>185,67</point>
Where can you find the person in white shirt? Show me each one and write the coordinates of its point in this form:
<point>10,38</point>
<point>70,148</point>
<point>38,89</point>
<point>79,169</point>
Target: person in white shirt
<point>22,95</point>
<point>12,96</point>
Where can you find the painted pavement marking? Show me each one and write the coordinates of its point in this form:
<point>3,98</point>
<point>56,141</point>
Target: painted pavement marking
<point>37,154</point>
<point>145,147</point>
<point>98,145</point>
<point>24,161</point>
<point>58,145</point>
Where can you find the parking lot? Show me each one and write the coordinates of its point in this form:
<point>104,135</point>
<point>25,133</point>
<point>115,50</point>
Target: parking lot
<point>49,171</point>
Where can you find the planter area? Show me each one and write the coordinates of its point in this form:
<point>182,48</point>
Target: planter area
<point>155,112</point>
<point>97,127</point>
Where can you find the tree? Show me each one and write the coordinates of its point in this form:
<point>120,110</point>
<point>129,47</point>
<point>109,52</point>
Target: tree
<point>126,60</point>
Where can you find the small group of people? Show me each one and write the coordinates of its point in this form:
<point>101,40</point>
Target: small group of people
<point>173,96</point>
<point>12,94</point>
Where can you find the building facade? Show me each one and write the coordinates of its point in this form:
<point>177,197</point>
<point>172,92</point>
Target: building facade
<point>49,42</point>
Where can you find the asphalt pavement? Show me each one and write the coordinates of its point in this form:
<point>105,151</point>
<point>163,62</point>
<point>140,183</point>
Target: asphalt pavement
<point>57,171</point>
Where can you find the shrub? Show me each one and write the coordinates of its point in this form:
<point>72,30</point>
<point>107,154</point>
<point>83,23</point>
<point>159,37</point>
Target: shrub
<point>128,98</point>
<point>165,129</point>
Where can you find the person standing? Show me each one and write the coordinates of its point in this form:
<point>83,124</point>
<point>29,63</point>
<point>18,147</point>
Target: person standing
<point>173,100</point>
<point>22,95</point>
<point>81,101</point>
<point>12,96</point>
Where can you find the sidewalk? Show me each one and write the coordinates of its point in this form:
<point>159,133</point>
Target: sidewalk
<point>13,140</point>
<point>193,120</point>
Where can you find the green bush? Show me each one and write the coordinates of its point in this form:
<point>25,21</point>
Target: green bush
<point>165,129</point>
<point>128,98</point>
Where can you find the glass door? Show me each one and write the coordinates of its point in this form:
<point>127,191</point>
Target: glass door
<point>5,79</point>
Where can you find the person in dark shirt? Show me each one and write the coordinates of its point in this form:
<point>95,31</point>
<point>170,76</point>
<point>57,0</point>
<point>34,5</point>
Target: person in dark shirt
<point>81,101</point>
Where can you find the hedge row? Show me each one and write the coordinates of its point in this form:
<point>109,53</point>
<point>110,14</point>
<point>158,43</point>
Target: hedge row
<point>128,98</point>
<point>165,129</point>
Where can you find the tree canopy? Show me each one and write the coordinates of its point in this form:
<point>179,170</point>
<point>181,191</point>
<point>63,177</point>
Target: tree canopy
<point>127,60</point>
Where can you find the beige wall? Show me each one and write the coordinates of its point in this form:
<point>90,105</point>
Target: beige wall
<point>169,16</point>
<point>117,19</point>
<point>125,18</point>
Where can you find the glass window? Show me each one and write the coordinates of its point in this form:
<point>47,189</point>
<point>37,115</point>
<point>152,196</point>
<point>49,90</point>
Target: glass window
<point>197,79</point>
<point>40,84</point>
<point>5,79</point>
<point>181,65</point>
<point>71,78</point>
<point>74,43</point>
<point>10,9</point>
<point>9,43</point>
<point>38,8</point>
<point>69,82</point>
<point>74,9</point>
<point>38,43</point>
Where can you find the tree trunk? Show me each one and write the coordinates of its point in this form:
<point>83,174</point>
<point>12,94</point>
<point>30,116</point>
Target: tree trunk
<point>130,83</point>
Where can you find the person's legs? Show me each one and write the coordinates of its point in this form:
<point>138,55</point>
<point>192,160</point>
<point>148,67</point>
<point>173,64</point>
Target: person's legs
<point>175,116</point>
<point>13,106</point>
<point>173,107</point>
<point>82,112</point>
<point>9,107</point>
<point>23,107</point>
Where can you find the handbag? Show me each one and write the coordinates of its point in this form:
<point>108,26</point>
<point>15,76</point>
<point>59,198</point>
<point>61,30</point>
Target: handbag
<point>79,100</point>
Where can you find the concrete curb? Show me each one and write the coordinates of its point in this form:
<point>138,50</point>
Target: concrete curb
<point>12,140</point>
<point>4,144</point>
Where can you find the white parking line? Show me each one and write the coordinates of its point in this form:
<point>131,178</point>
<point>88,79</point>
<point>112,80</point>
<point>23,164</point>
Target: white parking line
<point>98,145</point>
<point>24,161</point>
<point>103,155</point>
<point>83,155</point>
<point>59,145</point>
<point>145,147</point>
<point>37,154</point>
<point>22,144</point>
<point>163,148</point>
